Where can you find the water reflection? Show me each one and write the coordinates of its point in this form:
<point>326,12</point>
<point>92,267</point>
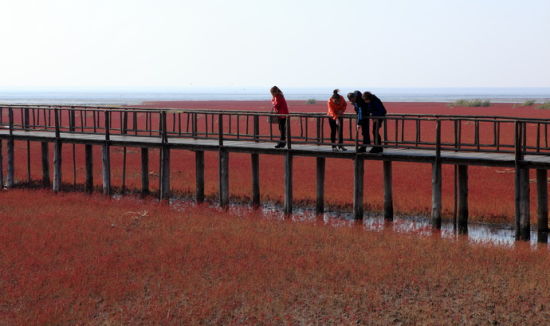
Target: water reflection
<point>490,233</point>
<point>479,233</point>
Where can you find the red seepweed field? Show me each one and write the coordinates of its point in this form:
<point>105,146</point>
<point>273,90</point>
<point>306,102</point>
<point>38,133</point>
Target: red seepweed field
<point>71,259</point>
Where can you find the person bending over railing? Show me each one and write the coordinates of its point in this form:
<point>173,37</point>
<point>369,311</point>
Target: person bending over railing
<point>361,109</point>
<point>376,109</point>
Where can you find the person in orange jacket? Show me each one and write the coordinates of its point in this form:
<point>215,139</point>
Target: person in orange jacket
<point>336,108</point>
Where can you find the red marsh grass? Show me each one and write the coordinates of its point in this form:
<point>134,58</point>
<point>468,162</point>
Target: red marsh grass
<point>76,259</point>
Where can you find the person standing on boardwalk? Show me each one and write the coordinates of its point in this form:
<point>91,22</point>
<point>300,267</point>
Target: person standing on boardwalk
<point>280,107</point>
<point>336,108</point>
<point>356,99</point>
<point>377,110</point>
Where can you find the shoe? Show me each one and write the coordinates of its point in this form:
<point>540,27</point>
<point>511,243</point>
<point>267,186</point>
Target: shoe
<point>361,149</point>
<point>342,148</point>
<point>334,149</point>
<point>280,145</point>
<point>376,149</point>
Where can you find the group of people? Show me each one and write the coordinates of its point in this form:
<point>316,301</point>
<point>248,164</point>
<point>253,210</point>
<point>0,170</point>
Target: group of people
<point>367,106</point>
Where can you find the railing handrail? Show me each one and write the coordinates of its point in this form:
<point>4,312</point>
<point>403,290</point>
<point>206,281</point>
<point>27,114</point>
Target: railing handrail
<point>114,108</point>
<point>203,124</point>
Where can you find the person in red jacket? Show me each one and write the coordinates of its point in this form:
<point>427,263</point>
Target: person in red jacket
<point>336,107</point>
<point>280,107</point>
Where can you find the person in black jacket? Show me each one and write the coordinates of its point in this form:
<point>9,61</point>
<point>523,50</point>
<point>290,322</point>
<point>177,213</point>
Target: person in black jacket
<point>361,108</point>
<point>376,108</point>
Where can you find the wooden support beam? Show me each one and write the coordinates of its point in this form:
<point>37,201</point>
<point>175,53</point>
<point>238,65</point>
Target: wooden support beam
<point>542,205</point>
<point>1,165</point>
<point>388,191</point>
<point>88,153</point>
<point>436,180</point>
<point>199,176</point>
<point>10,182</point>
<point>57,161</point>
<point>45,164</point>
<point>524,206</point>
<point>164,173</point>
<point>144,171</point>
<point>106,168</point>
<point>358,188</point>
<point>462,199</point>
<point>74,165</point>
<point>224,177</point>
<point>255,161</point>
<point>29,179</point>
<point>124,154</point>
<point>288,182</point>
<point>320,187</point>
<point>436,195</point>
<point>517,201</point>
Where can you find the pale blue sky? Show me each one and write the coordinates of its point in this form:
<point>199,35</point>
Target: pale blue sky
<point>252,43</point>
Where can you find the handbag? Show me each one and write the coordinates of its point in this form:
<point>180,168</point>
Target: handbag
<point>272,118</point>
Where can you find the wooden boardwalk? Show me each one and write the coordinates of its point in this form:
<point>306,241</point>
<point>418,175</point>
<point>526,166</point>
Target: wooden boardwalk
<point>393,154</point>
<point>518,143</point>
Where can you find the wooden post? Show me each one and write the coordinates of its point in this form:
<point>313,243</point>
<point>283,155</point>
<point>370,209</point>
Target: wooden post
<point>388,191</point>
<point>288,182</point>
<point>57,158</point>
<point>436,180</point>
<point>199,176</point>
<point>89,185</point>
<point>358,188</point>
<point>521,186</point>
<point>320,204</point>
<point>1,165</point>
<point>10,182</point>
<point>255,160</point>
<point>106,169</point>
<point>164,173</point>
<point>463,199</point>
<point>144,171</point>
<point>517,201</point>
<point>542,205</point>
<point>29,160</point>
<point>124,152</point>
<point>224,177</point>
<point>525,216</point>
<point>256,128</point>
<point>436,195</point>
<point>45,164</point>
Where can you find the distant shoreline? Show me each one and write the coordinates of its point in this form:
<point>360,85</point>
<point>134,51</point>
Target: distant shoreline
<point>512,95</point>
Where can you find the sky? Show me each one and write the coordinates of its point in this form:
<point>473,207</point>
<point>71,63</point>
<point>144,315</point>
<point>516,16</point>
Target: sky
<point>176,44</point>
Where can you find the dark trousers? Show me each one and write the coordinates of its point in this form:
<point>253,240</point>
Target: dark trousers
<point>282,129</point>
<point>376,125</point>
<point>335,126</point>
<point>364,124</point>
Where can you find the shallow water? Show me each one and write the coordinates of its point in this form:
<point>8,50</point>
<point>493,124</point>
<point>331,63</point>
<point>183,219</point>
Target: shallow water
<point>479,233</point>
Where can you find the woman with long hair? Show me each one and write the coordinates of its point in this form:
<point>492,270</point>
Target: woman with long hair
<point>280,107</point>
<point>336,108</point>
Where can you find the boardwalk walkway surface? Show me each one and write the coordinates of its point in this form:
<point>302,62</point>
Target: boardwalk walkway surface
<point>394,154</point>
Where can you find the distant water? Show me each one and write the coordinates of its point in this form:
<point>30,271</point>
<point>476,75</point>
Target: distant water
<point>131,97</point>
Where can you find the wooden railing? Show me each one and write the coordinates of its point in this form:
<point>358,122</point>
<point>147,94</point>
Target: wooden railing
<point>491,134</point>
